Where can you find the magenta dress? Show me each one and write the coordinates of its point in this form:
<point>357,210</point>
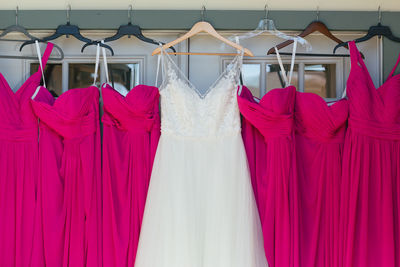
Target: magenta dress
<point>130,138</point>
<point>69,190</point>
<point>320,131</point>
<point>370,200</point>
<point>18,169</point>
<point>277,187</point>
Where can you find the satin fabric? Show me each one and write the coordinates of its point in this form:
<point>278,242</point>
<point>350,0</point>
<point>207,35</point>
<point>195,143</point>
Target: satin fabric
<point>320,131</point>
<point>130,137</point>
<point>69,191</point>
<point>276,185</point>
<point>18,169</point>
<point>370,199</point>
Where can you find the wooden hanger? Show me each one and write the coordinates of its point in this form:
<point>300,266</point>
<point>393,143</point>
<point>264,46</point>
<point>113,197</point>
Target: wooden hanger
<point>315,26</point>
<point>199,27</point>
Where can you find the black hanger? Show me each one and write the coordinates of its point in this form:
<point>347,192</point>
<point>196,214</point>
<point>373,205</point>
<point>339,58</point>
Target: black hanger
<point>67,30</point>
<point>127,30</point>
<point>378,30</point>
<point>20,29</point>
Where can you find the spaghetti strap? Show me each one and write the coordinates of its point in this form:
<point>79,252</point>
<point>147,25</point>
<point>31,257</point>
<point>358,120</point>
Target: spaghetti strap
<point>355,56</point>
<point>395,67</point>
<point>42,64</point>
<point>97,64</point>
<point>158,64</point>
<point>354,53</point>
<point>278,56</point>
<point>46,55</point>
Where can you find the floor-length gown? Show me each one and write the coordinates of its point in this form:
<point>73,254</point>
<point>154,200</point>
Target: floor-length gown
<point>70,177</point>
<point>200,209</point>
<point>18,169</point>
<point>370,199</point>
<point>130,137</point>
<point>277,188</point>
<point>320,130</point>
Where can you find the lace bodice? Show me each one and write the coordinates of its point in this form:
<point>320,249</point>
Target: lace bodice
<point>185,111</point>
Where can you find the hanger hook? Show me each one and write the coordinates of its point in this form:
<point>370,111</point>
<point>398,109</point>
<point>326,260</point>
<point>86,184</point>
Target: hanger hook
<point>379,14</point>
<point>317,13</point>
<point>203,10</point>
<point>68,11</point>
<point>130,13</point>
<point>16,16</point>
<point>266,11</point>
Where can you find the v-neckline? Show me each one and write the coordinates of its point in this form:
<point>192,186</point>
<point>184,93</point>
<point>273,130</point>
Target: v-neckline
<point>363,67</point>
<point>210,88</point>
<point>369,77</point>
<point>15,94</point>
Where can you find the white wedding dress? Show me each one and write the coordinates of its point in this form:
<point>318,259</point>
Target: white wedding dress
<point>200,209</point>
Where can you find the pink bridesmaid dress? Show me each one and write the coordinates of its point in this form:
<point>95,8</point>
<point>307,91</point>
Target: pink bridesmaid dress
<point>130,138</point>
<point>370,200</point>
<point>69,190</point>
<point>18,169</point>
<point>276,185</point>
<point>320,131</point>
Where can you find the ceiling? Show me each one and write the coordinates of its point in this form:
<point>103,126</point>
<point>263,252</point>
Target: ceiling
<point>353,5</point>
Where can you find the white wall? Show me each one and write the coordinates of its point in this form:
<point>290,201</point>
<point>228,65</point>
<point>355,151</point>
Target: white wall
<point>361,5</point>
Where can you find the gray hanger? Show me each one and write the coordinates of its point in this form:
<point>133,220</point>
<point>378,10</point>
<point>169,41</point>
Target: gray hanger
<point>20,29</point>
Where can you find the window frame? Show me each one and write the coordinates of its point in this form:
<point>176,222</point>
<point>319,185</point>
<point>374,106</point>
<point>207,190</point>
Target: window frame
<point>141,60</point>
<point>301,61</point>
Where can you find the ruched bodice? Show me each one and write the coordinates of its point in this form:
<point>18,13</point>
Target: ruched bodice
<point>72,114</point>
<point>373,111</point>
<point>273,115</point>
<point>137,112</point>
<point>18,121</point>
<point>317,120</point>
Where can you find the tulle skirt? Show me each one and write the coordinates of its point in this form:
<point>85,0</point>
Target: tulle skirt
<point>200,209</point>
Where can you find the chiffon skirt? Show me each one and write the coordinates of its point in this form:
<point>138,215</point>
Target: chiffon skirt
<point>200,209</point>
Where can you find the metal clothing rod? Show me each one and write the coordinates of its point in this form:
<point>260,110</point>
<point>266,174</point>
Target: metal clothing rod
<point>315,55</point>
<point>184,19</point>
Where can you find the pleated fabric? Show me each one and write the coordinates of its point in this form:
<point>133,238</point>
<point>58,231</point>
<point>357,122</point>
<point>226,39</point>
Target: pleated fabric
<point>320,131</point>
<point>370,192</point>
<point>18,169</point>
<point>277,189</point>
<point>130,137</point>
<point>69,192</point>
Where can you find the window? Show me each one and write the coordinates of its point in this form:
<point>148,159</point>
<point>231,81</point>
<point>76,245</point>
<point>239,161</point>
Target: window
<point>251,77</point>
<point>81,75</point>
<point>126,76</point>
<point>320,79</point>
<point>53,76</point>
<point>322,76</point>
<point>275,79</point>
<point>124,73</point>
